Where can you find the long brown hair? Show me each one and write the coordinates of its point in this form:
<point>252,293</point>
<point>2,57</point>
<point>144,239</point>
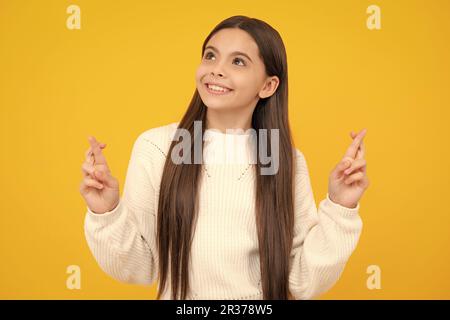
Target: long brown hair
<point>178,199</point>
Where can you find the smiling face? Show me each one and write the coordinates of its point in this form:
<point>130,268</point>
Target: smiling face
<point>231,60</point>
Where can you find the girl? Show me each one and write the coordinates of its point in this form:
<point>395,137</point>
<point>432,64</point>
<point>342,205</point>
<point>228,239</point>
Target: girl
<point>216,229</point>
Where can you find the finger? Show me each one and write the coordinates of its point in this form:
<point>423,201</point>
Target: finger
<point>360,153</point>
<point>89,182</point>
<point>87,169</point>
<point>354,177</point>
<point>96,150</point>
<point>353,148</point>
<point>105,178</point>
<point>89,155</point>
<point>92,141</point>
<point>89,151</point>
<point>342,165</point>
<point>361,150</point>
<point>357,164</point>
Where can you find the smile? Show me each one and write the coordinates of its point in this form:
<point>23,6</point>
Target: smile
<point>217,90</point>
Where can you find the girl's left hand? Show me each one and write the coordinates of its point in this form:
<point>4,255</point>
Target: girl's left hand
<point>348,180</point>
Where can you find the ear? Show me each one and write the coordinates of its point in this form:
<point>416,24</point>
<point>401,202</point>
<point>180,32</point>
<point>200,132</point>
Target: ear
<point>270,86</point>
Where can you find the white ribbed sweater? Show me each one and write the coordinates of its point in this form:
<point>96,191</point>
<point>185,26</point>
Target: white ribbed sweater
<point>224,252</point>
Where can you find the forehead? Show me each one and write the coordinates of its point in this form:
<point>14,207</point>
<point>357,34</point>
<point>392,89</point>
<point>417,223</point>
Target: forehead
<point>234,39</point>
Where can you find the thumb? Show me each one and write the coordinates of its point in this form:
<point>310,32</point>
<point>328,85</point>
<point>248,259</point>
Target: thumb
<point>344,164</point>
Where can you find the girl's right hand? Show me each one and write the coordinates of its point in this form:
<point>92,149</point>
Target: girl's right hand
<point>99,188</point>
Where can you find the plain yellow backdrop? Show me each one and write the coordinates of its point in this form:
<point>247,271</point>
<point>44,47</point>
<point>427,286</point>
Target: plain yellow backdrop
<point>131,67</point>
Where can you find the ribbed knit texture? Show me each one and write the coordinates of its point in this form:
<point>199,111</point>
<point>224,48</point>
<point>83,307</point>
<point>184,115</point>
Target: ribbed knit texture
<point>224,253</point>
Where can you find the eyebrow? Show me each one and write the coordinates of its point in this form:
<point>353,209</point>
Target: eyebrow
<point>233,53</point>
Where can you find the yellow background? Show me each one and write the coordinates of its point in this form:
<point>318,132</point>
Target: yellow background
<point>131,67</point>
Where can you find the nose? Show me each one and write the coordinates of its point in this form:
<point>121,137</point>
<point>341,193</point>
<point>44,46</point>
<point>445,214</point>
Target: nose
<point>219,74</point>
<point>217,70</point>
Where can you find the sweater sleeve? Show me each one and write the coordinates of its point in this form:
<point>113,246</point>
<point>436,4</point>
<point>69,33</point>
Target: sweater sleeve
<point>122,240</point>
<point>323,240</point>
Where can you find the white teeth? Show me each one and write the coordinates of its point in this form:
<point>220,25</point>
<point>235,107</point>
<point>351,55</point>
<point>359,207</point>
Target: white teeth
<point>217,88</point>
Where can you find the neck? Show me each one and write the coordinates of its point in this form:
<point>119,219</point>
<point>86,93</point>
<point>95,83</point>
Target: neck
<point>229,119</point>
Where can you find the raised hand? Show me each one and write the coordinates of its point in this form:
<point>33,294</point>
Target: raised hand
<point>99,188</point>
<point>348,180</point>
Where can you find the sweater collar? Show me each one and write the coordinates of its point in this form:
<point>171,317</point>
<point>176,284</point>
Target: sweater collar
<point>230,147</point>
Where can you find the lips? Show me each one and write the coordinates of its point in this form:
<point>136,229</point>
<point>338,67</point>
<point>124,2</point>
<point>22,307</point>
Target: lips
<point>217,84</point>
<point>217,92</point>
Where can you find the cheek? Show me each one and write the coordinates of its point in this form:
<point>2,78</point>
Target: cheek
<point>247,85</point>
<point>202,70</point>
<point>199,75</point>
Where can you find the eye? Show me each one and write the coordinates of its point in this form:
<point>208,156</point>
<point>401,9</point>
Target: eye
<point>238,59</point>
<point>208,54</point>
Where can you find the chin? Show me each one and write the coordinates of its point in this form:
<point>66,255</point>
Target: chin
<point>216,105</point>
<point>215,102</point>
